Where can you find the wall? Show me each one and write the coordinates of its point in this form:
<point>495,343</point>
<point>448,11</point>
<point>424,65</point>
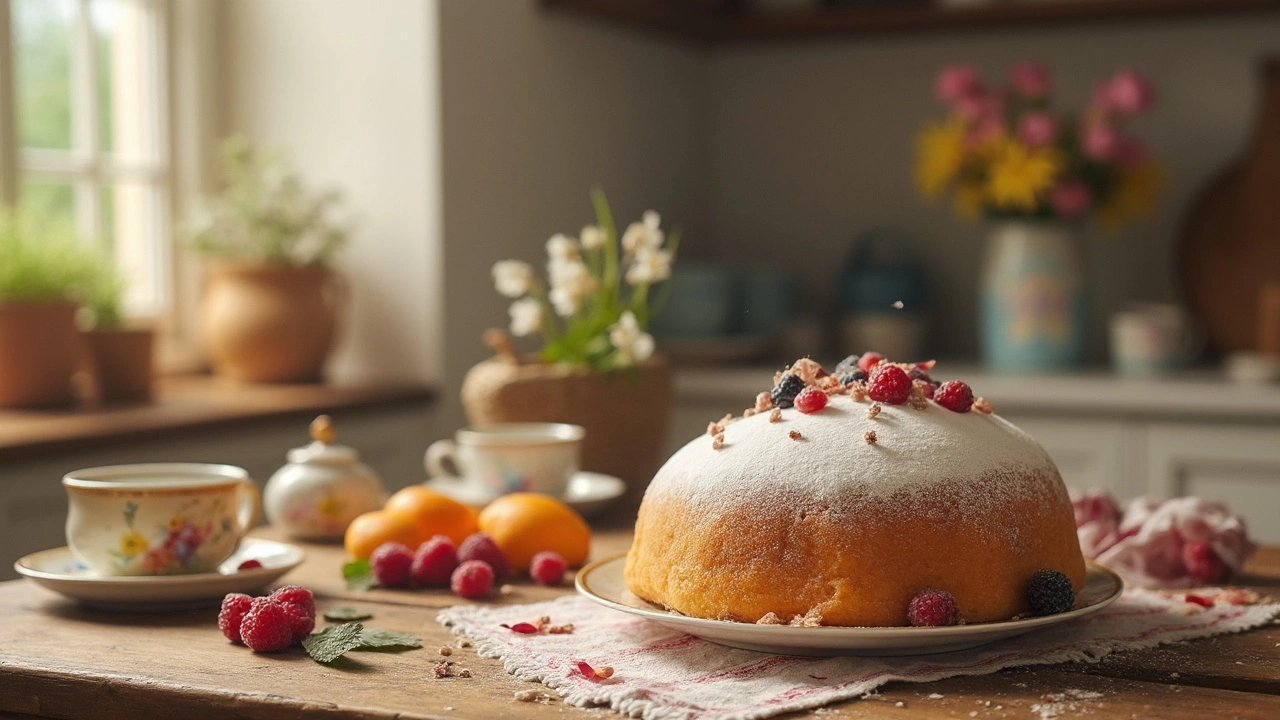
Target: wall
<point>350,90</point>
<point>538,107</point>
<point>811,143</point>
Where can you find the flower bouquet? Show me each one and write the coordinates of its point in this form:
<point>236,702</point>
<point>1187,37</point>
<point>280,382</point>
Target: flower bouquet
<point>1008,153</point>
<point>597,366</point>
<point>1034,172</point>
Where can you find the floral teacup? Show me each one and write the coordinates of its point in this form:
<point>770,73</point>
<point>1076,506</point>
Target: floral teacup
<point>158,518</point>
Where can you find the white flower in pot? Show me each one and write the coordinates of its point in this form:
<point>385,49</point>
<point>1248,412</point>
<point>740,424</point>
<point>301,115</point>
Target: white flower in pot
<point>271,296</point>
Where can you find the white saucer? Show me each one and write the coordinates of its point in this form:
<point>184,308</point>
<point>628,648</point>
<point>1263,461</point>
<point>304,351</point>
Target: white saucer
<point>602,582</point>
<point>60,571</point>
<point>588,492</point>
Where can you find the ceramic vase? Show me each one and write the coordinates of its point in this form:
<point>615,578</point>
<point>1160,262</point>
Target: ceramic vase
<point>122,362</point>
<point>269,323</point>
<point>1033,306</point>
<point>39,352</point>
<point>625,413</point>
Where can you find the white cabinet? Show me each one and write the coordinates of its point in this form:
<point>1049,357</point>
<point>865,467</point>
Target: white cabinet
<point>1238,464</point>
<point>1088,453</point>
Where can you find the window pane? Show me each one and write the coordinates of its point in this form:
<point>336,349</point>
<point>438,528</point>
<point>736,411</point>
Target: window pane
<point>104,16</point>
<point>133,218</point>
<point>42,34</point>
<point>48,200</point>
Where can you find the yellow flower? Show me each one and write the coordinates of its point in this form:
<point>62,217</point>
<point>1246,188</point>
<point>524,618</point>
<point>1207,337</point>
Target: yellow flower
<point>131,544</point>
<point>1134,196</point>
<point>941,152</point>
<point>175,523</point>
<point>1019,176</point>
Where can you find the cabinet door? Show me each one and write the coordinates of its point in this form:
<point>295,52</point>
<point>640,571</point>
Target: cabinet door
<point>1088,453</point>
<point>1239,465</point>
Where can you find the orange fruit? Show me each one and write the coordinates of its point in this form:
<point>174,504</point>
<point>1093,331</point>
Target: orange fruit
<point>435,513</point>
<point>373,528</point>
<point>524,524</point>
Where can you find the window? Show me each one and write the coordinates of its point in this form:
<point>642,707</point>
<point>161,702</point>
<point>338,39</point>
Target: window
<point>88,97</point>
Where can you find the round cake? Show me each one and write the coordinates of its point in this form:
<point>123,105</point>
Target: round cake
<point>841,515</point>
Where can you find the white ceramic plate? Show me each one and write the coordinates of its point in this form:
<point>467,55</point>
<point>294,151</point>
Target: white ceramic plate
<point>60,571</point>
<point>602,581</point>
<point>589,492</point>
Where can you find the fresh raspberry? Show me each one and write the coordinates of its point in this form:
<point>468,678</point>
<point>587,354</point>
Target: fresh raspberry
<point>955,396</point>
<point>472,579</point>
<point>249,565</point>
<point>300,621</point>
<point>548,567</point>
<point>434,562</point>
<point>391,562</point>
<point>234,606</point>
<point>296,595</point>
<point>1203,564</point>
<point>1049,592</point>
<point>784,393</point>
<point>479,546</point>
<point>932,608</point>
<point>810,400</point>
<point>889,384</point>
<point>267,627</point>
<point>868,361</point>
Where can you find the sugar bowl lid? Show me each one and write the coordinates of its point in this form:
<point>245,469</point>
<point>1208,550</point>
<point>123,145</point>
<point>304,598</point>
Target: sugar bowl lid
<point>322,451</point>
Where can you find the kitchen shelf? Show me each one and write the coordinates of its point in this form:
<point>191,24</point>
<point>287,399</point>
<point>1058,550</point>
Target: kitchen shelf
<point>715,22</point>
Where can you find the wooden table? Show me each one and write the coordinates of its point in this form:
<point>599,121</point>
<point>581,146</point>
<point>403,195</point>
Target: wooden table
<point>60,660</point>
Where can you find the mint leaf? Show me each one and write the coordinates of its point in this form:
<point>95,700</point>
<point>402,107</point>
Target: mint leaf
<point>358,575</point>
<point>346,614</point>
<point>372,639</point>
<point>332,642</point>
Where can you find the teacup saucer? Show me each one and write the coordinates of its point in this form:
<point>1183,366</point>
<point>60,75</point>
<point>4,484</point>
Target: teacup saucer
<point>589,493</point>
<point>60,571</point>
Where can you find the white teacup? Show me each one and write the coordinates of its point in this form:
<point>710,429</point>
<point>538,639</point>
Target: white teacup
<point>510,457</point>
<point>158,518</point>
<point>1153,338</point>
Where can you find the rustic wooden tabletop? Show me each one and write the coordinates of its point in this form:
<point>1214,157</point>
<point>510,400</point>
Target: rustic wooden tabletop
<point>60,660</point>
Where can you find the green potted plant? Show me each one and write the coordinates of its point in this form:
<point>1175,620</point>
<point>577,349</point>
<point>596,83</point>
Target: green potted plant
<point>597,366</point>
<point>121,357</point>
<point>44,271</point>
<point>270,299</point>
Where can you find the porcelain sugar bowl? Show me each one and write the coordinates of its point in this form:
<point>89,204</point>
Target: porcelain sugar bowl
<point>322,488</point>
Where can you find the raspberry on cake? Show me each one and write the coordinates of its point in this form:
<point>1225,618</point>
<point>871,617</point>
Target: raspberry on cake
<point>868,512</point>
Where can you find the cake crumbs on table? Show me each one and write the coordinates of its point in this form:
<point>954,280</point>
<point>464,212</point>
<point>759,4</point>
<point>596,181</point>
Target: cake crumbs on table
<point>874,410</point>
<point>446,651</point>
<point>795,435</point>
<point>463,642</point>
<point>507,589</point>
<point>769,618</point>
<point>533,696</point>
<point>870,438</point>
<point>936,696</point>
<point>900,704</point>
<point>776,415</point>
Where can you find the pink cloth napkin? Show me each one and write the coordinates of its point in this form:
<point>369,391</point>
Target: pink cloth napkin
<point>663,674</point>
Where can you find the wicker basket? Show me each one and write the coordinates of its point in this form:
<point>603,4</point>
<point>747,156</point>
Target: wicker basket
<point>625,414</point>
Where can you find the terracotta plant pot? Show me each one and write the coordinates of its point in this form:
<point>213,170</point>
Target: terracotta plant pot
<point>122,363</point>
<point>268,323</point>
<point>39,352</point>
<point>626,417</point>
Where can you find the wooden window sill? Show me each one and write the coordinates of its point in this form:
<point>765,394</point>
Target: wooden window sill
<point>188,403</point>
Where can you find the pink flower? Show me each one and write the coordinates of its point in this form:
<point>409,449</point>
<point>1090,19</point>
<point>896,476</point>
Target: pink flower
<point>957,82</point>
<point>1038,129</point>
<point>1101,141</point>
<point>1128,93</point>
<point>1131,152</point>
<point>1029,78</point>
<point>1071,199</point>
<point>986,128</point>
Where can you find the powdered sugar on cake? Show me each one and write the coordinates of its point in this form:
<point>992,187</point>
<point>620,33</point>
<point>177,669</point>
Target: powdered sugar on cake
<point>914,449</point>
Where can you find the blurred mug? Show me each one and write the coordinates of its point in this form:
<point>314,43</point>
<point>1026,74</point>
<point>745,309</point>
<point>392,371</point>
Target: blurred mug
<point>1152,339</point>
<point>510,457</point>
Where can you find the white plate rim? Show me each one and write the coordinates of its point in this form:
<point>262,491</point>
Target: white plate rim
<point>22,567</point>
<point>950,632</point>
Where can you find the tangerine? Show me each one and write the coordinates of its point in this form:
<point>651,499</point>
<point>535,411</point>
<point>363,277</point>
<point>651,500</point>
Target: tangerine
<point>525,524</point>
<point>436,514</point>
<point>376,527</point>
